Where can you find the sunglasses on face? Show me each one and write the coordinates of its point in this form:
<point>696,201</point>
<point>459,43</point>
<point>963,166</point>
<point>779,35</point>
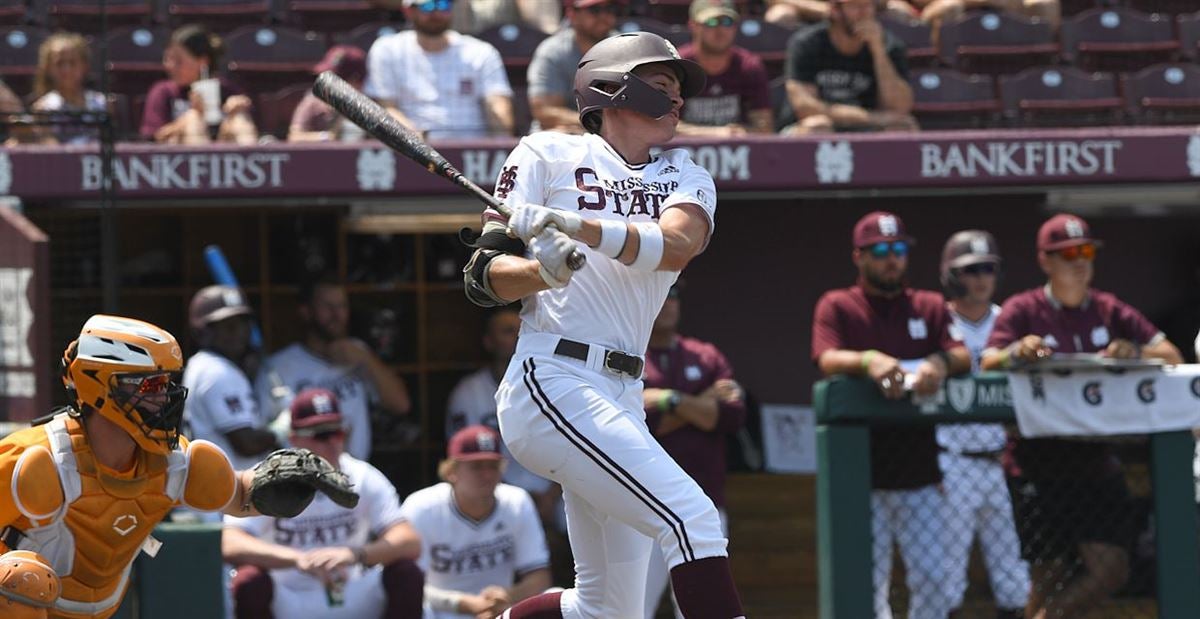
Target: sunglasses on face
<point>982,268</point>
<point>724,21</point>
<point>431,6</point>
<point>881,250</point>
<point>1086,251</point>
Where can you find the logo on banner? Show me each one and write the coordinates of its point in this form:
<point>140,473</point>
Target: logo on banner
<point>1193,154</point>
<point>376,170</point>
<point>1037,387</point>
<point>961,393</point>
<point>6,173</point>
<point>1145,390</point>
<point>835,162</point>
<point>1092,394</point>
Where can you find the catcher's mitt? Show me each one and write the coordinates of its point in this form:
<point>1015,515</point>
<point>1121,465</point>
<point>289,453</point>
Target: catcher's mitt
<point>287,480</point>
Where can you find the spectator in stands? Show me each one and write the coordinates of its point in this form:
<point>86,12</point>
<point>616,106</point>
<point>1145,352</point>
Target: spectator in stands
<point>439,82</point>
<point>736,98</point>
<point>328,561</point>
<point>317,121</point>
<point>472,16</point>
<point>58,86</point>
<point>175,111</point>
<point>848,74</point>
<point>327,357</point>
<point>937,12</point>
<point>10,105</point>
<point>693,405</point>
<point>552,68</point>
<point>1074,514</point>
<point>794,13</point>
<point>894,335</point>
<point>483,546</point>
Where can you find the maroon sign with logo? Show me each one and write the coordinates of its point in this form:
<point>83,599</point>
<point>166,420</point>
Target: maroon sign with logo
<point>24,318</point>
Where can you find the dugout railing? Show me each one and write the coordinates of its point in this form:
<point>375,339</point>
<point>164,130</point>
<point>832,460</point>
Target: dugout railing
<point>846,409</point>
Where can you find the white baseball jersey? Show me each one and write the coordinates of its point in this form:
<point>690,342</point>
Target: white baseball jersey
<point>322,524</point>
<point>473,402</point>
<point>972,437</point>
<point>220,400</point>
<point>300,369</point>
<point>611,304</point>
<point>461,554</point>
<point>440,92</point>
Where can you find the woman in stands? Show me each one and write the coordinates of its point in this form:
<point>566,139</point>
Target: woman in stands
<point>175,107</point>
<point>58,86</point>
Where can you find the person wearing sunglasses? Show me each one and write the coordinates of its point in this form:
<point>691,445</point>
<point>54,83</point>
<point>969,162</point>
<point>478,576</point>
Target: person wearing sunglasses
<point>976,492</point>
<point>900,339</point>
<point>736,98</point>
<point>1057,483</point>
<point>438,82</point>
<point>552,68</point>
<point>847,74</point>
<point>328,561</point>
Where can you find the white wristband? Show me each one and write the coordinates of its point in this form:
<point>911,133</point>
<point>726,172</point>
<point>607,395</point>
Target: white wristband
<point>442,599</point>
<point>612,237</point>
<point>650,248</point>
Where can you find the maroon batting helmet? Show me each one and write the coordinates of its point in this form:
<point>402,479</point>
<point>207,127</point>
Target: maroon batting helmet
<point>605,76</point>
<point>214,304</point>
<point>963,249</point>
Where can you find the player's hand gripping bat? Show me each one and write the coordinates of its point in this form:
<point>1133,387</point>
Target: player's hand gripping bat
<point>362,111</point>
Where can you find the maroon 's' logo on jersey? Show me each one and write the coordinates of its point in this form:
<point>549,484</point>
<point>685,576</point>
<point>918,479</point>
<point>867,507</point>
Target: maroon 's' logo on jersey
<point>628,196</point>
<point>508,180</point>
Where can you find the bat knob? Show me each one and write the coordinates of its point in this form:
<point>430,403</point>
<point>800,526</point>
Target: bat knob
<point>576,260</point>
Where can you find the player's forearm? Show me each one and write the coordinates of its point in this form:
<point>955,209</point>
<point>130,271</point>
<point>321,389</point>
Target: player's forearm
<point>700,411</point>
<point>240,505</point>
<point>397,543</point>
<point>669,424</point>
<point>530,585</point>
<point>514,277</point>
<point>239,547</point>
<point>391,388</point>
<point>895,95</point>
<point>401,117</point>
<point>1163,349</point>
<point>849,362</point>
<point>499,112</point>
<point>553,113</point>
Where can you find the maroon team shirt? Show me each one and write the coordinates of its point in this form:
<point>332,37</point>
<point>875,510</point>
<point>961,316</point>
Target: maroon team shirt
<point>913,325</point>
<point>727,97</point>
<point>167,101</point>
<point>1088,328</point>
<point>691,366</point>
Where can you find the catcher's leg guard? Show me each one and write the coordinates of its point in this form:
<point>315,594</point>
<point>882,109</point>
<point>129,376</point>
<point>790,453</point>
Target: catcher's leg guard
<point>28,585</point>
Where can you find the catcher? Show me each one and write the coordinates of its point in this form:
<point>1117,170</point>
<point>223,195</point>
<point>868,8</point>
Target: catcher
<point>86,485</point>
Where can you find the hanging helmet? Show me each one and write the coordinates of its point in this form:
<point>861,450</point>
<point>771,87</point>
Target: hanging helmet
<point>605,76</point>
<point>962,249</point>
<point>125,371</point>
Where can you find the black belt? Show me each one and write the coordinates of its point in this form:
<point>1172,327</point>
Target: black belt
<point>614,360</point>
<point>992,455</point>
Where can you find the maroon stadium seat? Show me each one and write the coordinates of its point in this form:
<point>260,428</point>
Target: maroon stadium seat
<point>13,12</point>
<point>1189,35</point>
<point>1165,94</point>
<point>768,40</point>
<point>19,56</point>
<point>516,44</point>
<point>263,58</point>
<point>84,15</point>
<point>219,14</point>
<point>330,15</point>
<point>1060,97</point>
<point>917,37</point>
<point>275,109</point>
<point>364,35</point>
<point>996,43</point>
<point>947,99</point>
<point>1117,39</point>
<point>674,33</point>
<point>134,57</point>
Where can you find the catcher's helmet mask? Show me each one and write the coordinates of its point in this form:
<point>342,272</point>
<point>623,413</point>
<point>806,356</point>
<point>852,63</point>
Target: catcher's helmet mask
<point>605,77</point>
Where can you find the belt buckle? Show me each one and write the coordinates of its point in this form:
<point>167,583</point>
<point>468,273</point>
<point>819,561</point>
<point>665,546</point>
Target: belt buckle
<point>608,363</point>
<point>611,364</point>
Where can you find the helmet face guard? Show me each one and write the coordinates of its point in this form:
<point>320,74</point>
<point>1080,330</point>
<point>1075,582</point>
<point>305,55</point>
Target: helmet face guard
<point>605,76</point>
<point>151,401</point>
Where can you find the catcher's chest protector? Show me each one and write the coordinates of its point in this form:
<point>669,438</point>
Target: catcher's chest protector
<point>106,517</point>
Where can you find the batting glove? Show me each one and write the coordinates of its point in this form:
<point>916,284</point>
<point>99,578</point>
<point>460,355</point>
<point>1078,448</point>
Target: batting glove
<point>529,220</point>
<point>551,249</point>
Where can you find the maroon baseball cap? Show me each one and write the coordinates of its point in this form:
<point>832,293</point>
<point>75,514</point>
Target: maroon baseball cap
<point>880,226</point>
<point>1062,231</point>
<point>315,411</point>
<point>475,443</point>
<point>347,61</point>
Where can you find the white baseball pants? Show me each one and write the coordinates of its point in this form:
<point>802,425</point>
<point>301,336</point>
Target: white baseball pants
<point>912,519</point>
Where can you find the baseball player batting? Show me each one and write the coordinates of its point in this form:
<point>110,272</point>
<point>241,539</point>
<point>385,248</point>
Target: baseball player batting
<point>570,404</point>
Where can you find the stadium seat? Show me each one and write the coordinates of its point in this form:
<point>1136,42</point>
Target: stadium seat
<point>516,44</point>
<point>219,14</point>
<point>329,16</point>
<point>947,99</point>
<point>1060,97</point>
<point>1117,39</point>
<point>1165,94</point>
<point>768,40</point>
<point>917,37</point>
<point>996,43</point>
<point>364,35</point>
<point>1189,35</point>
<point>275,109</point>
<point>263,58</point>
<point>1075,7</point>
<point>134,57</point>
<point>1173,7</point>
<point>13,12</point>
<point>84,15</point>
<point>19,56</point>
<point>675,34</point>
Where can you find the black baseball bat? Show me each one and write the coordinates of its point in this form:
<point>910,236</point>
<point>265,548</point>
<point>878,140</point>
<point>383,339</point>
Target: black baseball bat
<point>366,113</point>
